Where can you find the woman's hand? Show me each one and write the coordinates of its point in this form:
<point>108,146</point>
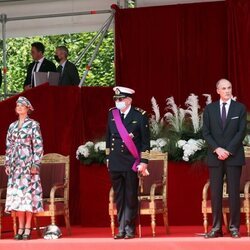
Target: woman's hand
<point>7,170</point>
<point>34,170</point>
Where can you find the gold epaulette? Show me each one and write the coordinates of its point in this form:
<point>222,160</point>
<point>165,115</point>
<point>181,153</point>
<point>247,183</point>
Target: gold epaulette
<point>140,110</point>
<point>112,108</point>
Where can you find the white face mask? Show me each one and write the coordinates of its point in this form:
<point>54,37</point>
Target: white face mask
<point>120,105</point>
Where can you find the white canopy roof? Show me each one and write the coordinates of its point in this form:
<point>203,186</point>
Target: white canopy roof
<point>66,24</point>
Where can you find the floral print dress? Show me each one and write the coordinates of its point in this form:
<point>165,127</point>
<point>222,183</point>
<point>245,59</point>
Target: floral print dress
<point>24,149</point>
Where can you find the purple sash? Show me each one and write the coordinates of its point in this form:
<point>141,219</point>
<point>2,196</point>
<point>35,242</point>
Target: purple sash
<point>126,138</point>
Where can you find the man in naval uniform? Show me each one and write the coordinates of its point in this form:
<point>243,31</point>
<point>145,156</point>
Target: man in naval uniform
<point>127,150</point>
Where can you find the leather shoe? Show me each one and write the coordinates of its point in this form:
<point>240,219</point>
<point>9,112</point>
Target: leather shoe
<point>213,234</point>
<point>129,236</point>
<point>119,236</point>
<point>235,234</point>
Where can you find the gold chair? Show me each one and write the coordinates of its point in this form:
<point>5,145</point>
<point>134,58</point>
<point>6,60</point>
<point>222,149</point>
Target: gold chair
<point>54,173</point>
<point>152,193</point>
<point>3,188</point>
<point>244,197</point>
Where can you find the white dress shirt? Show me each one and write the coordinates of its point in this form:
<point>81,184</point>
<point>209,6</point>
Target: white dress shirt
<point>38,65</point>
<point>126,112</point>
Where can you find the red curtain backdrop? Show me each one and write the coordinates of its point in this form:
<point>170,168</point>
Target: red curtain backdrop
<point>239,47</point>
<point>160,51</point>
<point>171,50</point>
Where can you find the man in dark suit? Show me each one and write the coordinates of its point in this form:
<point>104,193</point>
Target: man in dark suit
<point>40,64</point>
<point>122,162</point>
<point>68,72</point>
<point>224,128</point>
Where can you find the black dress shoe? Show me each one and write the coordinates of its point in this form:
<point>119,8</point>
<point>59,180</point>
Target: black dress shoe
<point>19,235</point>
<point>119,236</point>
<point>235,234</point>
<point>27,233</point>
<point>129,236</point>
<point>213,234</point>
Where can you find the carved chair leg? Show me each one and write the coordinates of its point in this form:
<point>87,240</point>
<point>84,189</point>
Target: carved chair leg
<point>67,221</point>
<point>205,222</point>
<point>225,221</point>
<point>53,218</point>
<point>153,224</point>
<point>247,224</point>
<point>37,226</point>
<point>165,220</point>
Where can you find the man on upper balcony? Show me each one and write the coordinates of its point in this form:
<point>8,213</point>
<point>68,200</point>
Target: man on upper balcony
<point>40,64</point>
<point>68,72</point>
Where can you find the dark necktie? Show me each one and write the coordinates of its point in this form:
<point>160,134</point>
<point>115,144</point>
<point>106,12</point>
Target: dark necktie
<point>59,69</point>
<point>122,116</point>
<point>35,67</point>
<point>223,114</point>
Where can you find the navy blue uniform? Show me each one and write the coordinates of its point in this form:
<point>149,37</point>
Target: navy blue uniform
<point>120,161</point>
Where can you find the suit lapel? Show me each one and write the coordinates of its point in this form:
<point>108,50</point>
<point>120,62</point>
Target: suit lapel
<point>218,115</point>
<point>42,65</point>
<point>230,112</point>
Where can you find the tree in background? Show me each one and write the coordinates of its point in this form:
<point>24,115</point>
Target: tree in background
<point>18,58</point>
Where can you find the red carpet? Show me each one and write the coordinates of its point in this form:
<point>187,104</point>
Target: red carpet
<point>99,238</point>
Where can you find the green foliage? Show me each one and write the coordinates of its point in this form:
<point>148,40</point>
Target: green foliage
<point>18,57</point>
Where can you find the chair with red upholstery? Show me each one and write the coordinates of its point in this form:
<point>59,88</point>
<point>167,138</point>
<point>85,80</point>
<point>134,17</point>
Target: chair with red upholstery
<point>54,173</point>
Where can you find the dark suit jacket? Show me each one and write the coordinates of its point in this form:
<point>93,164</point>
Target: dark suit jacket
<point>46,66</point>
<point>229,138</point>
<point>136,122</point>
<point>69,75</point>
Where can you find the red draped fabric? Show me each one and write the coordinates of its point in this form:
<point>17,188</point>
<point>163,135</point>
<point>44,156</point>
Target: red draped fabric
<point>160,51</point>
<point>171,50</point>
<point>239,47</point>
<point>181,49</point>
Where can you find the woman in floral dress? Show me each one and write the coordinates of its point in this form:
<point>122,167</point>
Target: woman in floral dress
<point>24,151</point>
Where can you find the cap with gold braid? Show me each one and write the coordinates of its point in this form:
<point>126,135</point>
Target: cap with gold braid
<point>123,92</point>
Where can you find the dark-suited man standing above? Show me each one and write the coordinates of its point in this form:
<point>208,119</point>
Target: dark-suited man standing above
<point>127,149</point>
<point>224,128</point>
<point>68,72</point>
<point>40,64</point>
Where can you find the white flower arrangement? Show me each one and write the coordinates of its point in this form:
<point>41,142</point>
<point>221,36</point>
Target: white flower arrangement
<point>100,146</point>
<point>91,152</point>
<point>158,145</point>
<point>177,132</point>
<point>84,150</point>
<point>190,147</point>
